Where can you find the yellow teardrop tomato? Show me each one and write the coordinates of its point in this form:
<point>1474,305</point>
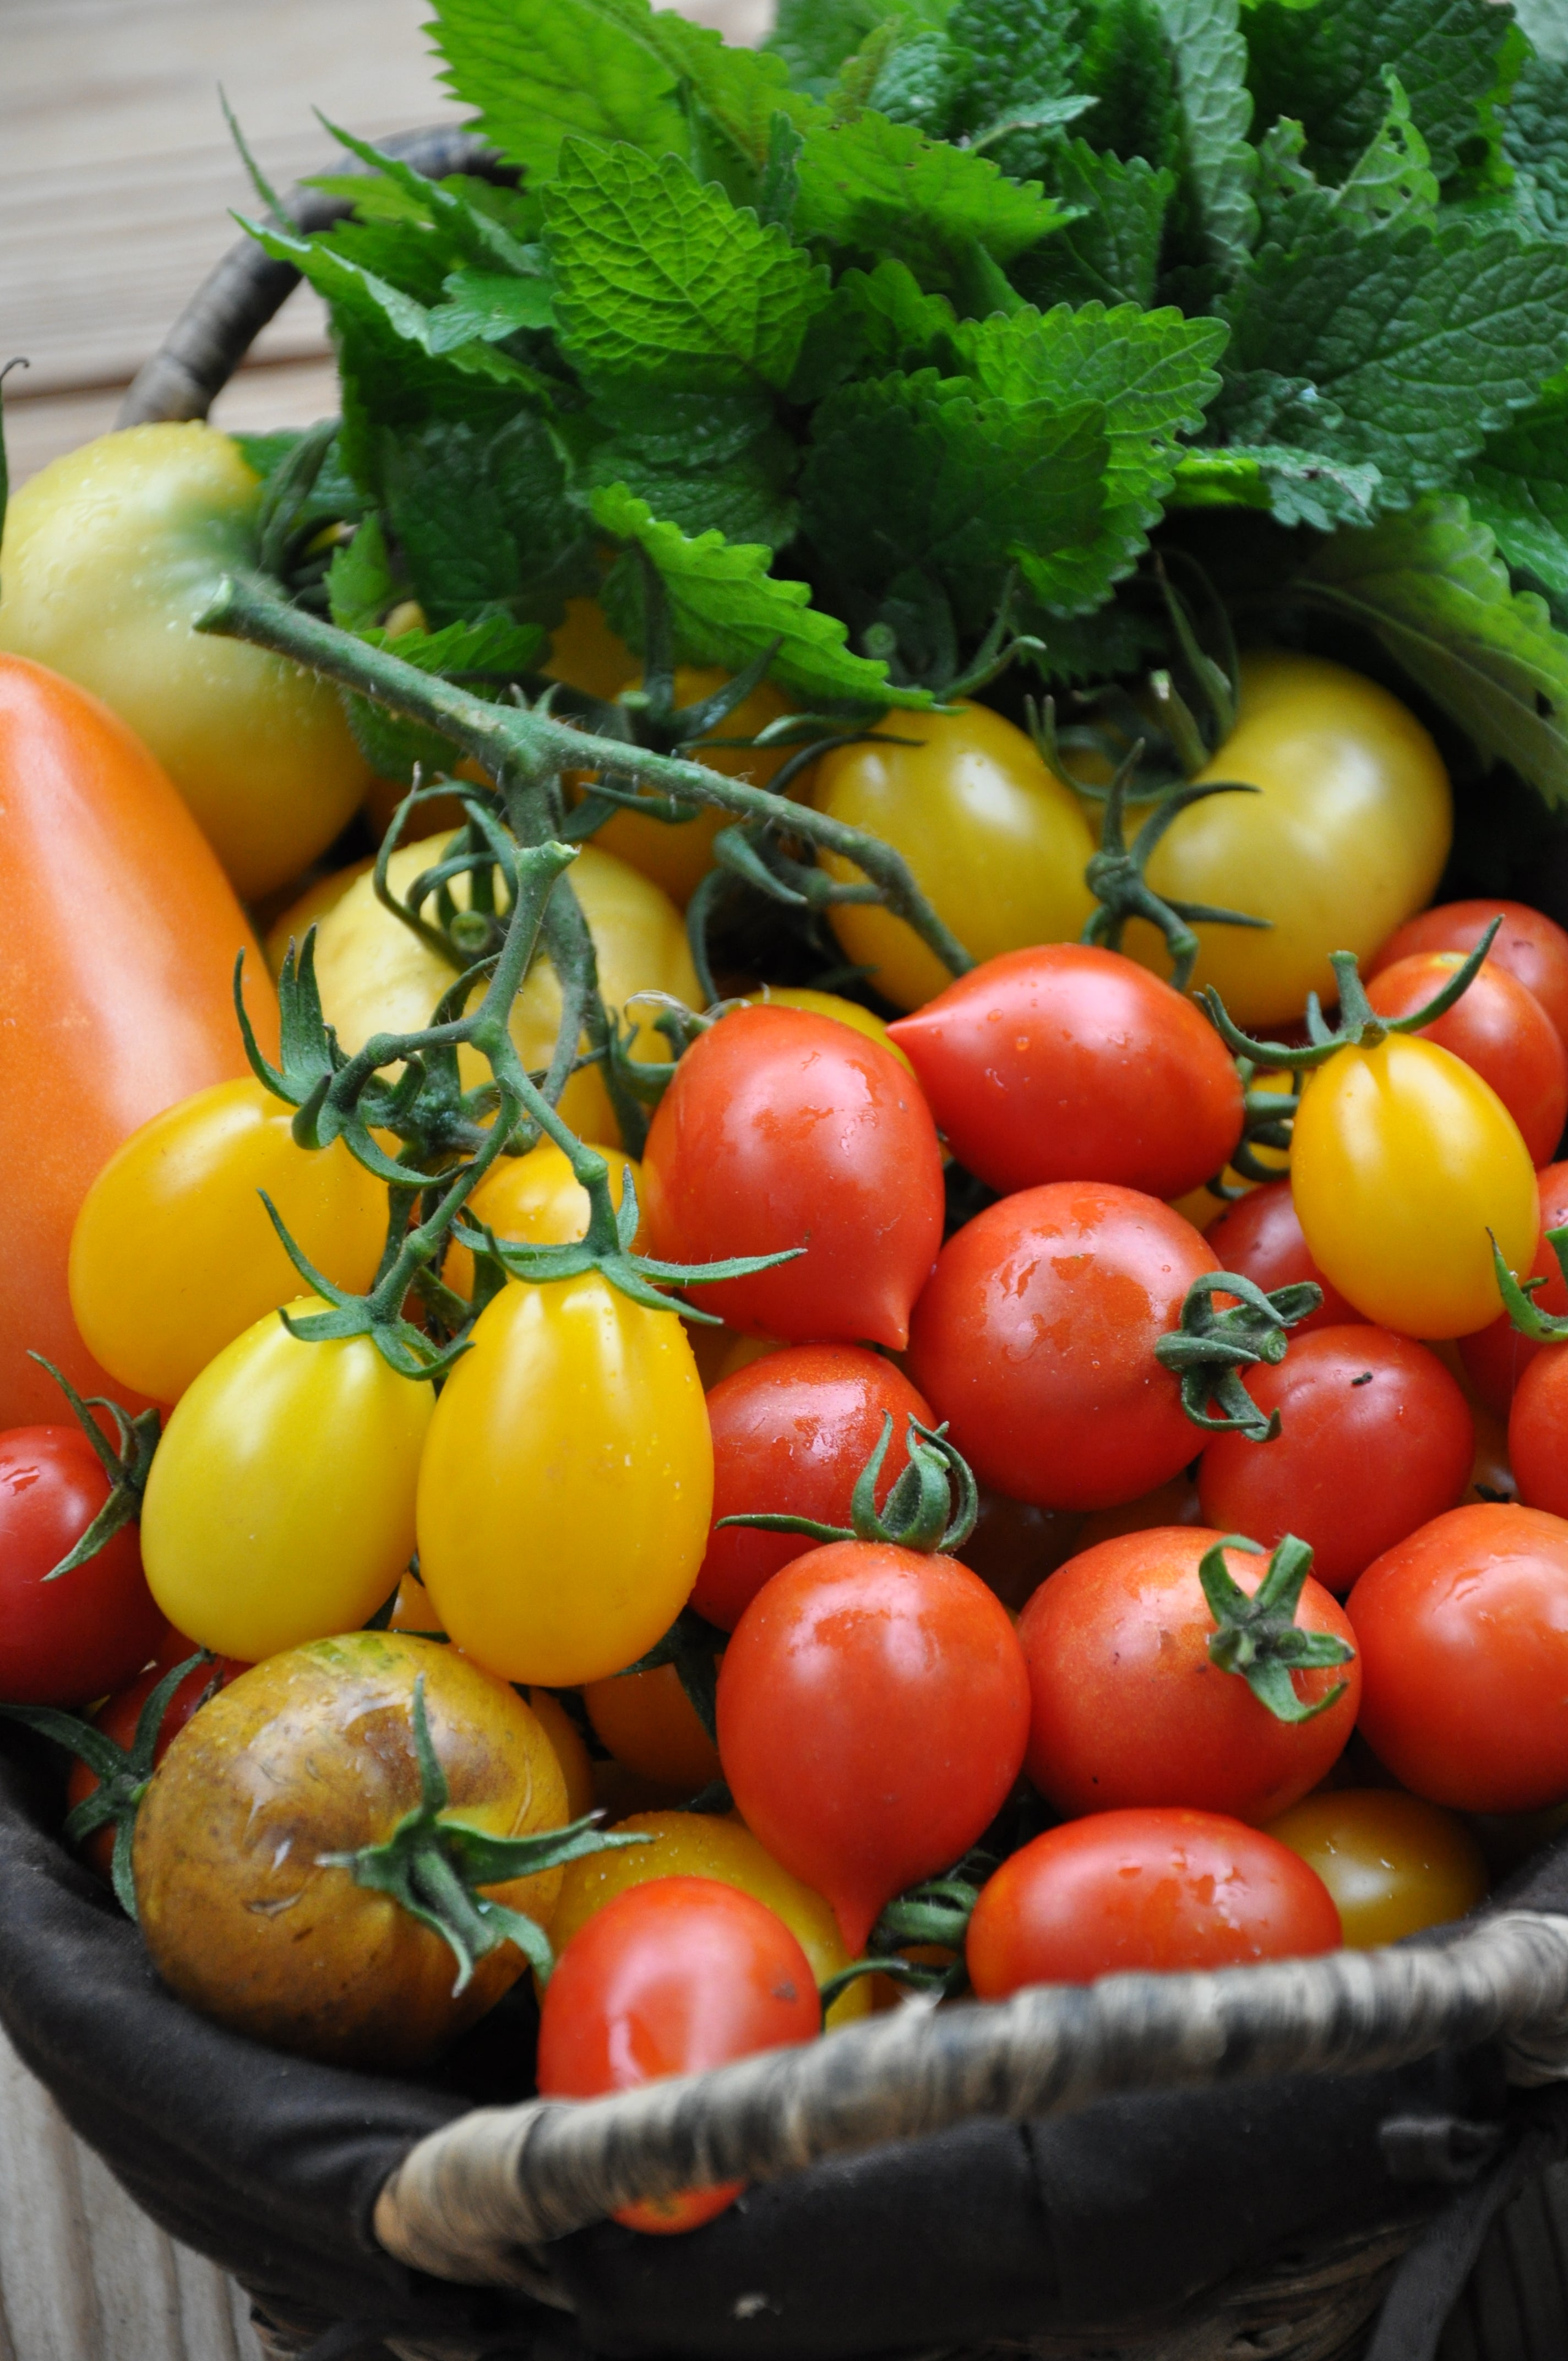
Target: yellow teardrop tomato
<point>536,1197</point>
<point>1403,1158</point>
<point>1394,1863</point>
<point>110,554</point>
<point>649,1723</point>
<point>678,857</point>
<point>174,1256</point>
<point>1345,839</point>
<point>376,976</point>
<point>997,842</point>
<point>700,1844</point>
<point>280,1505</point>
<point>567,1483</point>
<point>831,1004</point>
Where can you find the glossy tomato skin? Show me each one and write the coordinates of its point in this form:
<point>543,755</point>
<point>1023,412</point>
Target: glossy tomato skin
<point>1347,836</point>
<point>279,1508</point>
<point>1065,1062</point>
<point>1498,1028</point>
<point>709,1844</point>
<point>1034,1339</point>
<point>126,1011</point>
<point>311,1753</point>
<point>174,1256</point>
<point>111,554</point>
<point>1260,1237</point>
<point>1532,946</point>
<point>1126,1708</point>
<point>1146,1889</point>
<point>872,1711</point>
<point>1402,1160</point>
<point>995,840</point>
<point>118,1715</point>
<point>1538,1433</point>
<point>1463,1634</point>
<point>1376,1438</point>
<point>538,1197</point>
<point>566,1487</point>
<point>649,1723</point>
<point>786,1129</point>
<point>66,1641</point>
<point>669,1977</point>
<point>1496,1357</point>
<point>1394,1863</point>
<point>791,1434</point>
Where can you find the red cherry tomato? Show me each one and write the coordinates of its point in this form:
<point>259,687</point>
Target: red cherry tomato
<point>1498,1028</point>
<point>118,1715</point>
<point>670,1977</point>
<point>1497,1357</point>
<point>782,1128</point>
<point>791,1433</point>
<point>1126,1707</point>
<point>1036,1336</point>
<point>1531,946</point>
<point>66,1641</point>
<point>1376,1438</point>
<point>873,1709</point>
<point>1260,1237</point>
<point>1070,1063</point>
<point>1538,1432</point>
<point>1463,1632</point>
<point>1145,1889</point>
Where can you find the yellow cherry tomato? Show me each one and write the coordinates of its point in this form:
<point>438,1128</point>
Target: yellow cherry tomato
<point>1403,1160</point>
<point>567,1483</point>
<point>700,1844</point>
<point>297,917</point>
<point>649,1723</point>
<point>174,1256</point>
<point>1393,1862</point>
<point>576,1764</point>
<point>1345,839</point>
<point>997,842</point>
<point>110,554</point>
<point>376,976</point>
<point>536,1197</point>
<point>831,1004</point>
<point>280,1505</point>
<point>677,857</point>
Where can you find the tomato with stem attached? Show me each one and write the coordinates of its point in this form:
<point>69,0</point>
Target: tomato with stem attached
<point>1530,946</point>
<point>1498,1028</point>
<point>1496,1357</point>
<point>536,1197</point>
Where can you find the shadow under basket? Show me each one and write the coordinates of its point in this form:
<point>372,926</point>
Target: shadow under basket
<point>1346,2159</point>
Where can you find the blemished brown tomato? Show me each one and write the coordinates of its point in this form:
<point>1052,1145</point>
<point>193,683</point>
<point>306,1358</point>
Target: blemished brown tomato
<point>1394,1863</point>
<point>117,1718</point>
<point>127,1010</point>
<point>1530,946</point>
<point>1158,1888</point>
<point>1498,1028</point>
<point>649,1723</point>
<point>309,1754</point>
<point>1497,1357</point>
<point>1127,1708</point>
<point>1259,1237</point>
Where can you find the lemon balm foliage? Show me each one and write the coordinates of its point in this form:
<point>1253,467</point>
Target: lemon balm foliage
<point>923,330</point>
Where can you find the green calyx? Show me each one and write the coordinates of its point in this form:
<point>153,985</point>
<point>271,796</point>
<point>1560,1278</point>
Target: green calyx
<point>936,1913</point>
<point>1259,1637</point>
<point>126,1466</point>
<point>932,1507</point>
<point>1540,1327</point>
<point>1359,1027</point>
<point>1209,1348</point>
<point>433,1867</point>
<point>122,1772</point>
<point>1268,1119</point>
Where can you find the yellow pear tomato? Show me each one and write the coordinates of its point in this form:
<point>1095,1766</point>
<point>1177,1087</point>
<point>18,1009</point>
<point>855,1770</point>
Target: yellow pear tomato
<point>536,1197</point>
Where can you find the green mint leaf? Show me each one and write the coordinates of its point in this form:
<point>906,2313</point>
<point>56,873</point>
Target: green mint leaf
<point>1295,486</point>
<point>925,478</point>
<point>361,582</point>
<point>1518,485</point>
<point>1214,216</point>
<point>1431,586</point>
<point>484,519</point>
<point>1535,141</point>
<point>658,276</point>
<point>1116,640</point>
<point>779,187</point>
<point>468,232</point>
<point>704,462</point>
<point>812,38</point>
<point>1323,64</point>
<point>1393,179</point>
<point>538,71</point>
<point>1110,254</point>
<point>728,609</point>
<point>1544,25</point>
<point>874,322</point>
<point>1024,57</point>
<point>1128,68</point>
<point>922,81</point>
<point>739,91</point>
<point>1392,347</point>
<point>877,188</point>
<point>484,304</point>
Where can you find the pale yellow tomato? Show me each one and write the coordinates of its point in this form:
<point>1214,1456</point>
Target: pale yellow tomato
<point>831,1003</point>
<point>996,842</point>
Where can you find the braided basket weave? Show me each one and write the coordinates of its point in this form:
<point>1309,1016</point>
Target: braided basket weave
<point>480,2201</point>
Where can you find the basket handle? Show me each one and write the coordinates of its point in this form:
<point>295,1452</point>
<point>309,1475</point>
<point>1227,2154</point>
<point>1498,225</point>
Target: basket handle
<point>235,302</point>
<point>467,2198</point>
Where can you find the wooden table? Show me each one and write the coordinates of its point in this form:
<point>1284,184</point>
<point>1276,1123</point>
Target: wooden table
<point>116,180</point>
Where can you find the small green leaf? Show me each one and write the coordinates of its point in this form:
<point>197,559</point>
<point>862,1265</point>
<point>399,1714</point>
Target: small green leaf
<point>1324,64</point>
<point>484,519</point>
<point>1217,165</point>
<point>1393,179</point>
<point>1023,57</point>
<point>812,38</point>
<point>538,71</point>
<point>1111,252</point>
<point>877,188</point>
<point>1518,485</point>
<point>1296,487</point>
<point>485,304</point>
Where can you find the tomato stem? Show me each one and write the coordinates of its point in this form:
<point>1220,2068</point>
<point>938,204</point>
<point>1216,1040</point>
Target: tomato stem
<point>1209,1348</point>
<point>932,1507</point>
<point>127,1467</point>
<point>1359,1028</point>
<point>1540,1327</point>
<point>1259,1637</point>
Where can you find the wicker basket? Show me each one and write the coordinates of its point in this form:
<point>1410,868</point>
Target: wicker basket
<point>480,2200</point>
